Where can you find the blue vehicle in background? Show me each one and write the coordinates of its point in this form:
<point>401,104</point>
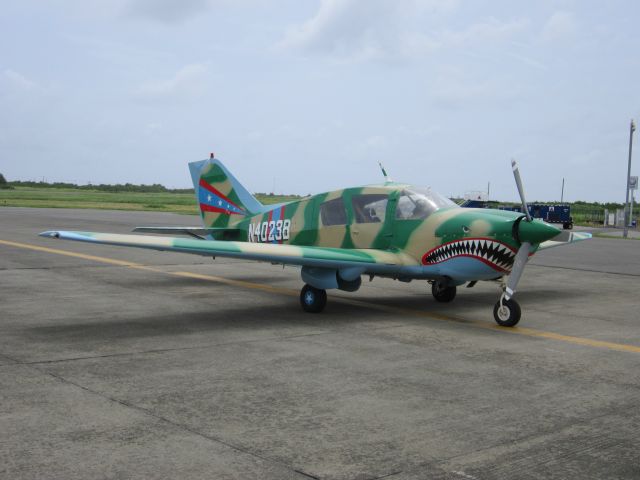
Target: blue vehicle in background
<point>549,213</point>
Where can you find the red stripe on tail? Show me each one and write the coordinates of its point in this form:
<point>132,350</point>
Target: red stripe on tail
<point>217,192</point>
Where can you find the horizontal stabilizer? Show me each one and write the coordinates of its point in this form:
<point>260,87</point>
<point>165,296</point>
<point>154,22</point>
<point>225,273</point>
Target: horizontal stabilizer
<point>197,232</point>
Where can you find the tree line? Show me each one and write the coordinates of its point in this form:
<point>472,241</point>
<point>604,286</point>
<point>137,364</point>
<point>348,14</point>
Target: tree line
<point>119,187</point>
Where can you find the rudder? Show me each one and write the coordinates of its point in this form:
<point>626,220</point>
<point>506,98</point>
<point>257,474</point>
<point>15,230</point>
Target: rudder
<point>222,200</point>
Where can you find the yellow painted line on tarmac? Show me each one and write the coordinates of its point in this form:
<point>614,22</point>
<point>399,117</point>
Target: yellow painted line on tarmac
<point>621,347</point>
<point>236,283</point>
<point>529,332</point>
<point>111,261</point>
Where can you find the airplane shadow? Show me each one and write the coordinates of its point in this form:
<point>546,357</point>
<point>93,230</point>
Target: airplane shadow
<point>284,316</point>
<point>280,311</point>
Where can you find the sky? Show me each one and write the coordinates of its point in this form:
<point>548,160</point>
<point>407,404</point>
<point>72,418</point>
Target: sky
<point>305,96</point>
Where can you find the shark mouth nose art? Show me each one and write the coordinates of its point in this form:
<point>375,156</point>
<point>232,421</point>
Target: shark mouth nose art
<point>497,255</point>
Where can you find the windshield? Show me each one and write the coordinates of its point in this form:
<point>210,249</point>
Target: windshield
<point>417,203</point>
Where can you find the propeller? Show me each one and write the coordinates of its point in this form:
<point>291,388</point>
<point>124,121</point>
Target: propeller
<point>518,267</point>
<point>516,175</point>
<point>525,247</point>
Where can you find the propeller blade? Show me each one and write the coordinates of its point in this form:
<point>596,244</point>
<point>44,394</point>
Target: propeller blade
<point>518,267</point>
<point>516,175</point>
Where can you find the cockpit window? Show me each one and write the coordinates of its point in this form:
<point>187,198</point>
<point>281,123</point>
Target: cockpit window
<point>369,208</point>
<point>333,212</point>
<point>418,203</point>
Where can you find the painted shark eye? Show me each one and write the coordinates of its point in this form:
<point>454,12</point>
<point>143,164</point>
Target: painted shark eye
<point>465,229</point>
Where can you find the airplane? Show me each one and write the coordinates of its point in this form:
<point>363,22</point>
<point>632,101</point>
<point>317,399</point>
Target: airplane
<point>392,230</point>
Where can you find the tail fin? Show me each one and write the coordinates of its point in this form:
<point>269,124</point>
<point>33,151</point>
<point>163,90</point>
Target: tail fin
<point>222,200</point>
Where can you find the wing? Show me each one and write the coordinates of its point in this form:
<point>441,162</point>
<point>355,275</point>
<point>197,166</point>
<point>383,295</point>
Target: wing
<point>374,261</point>
<point>564,238</point>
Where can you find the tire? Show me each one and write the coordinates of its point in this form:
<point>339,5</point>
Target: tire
<point>443,293</point>
<point>313,300</point>
<point>507,314</point>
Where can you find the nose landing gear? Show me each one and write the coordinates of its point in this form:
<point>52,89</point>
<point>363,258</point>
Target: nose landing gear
<point>506,313</point>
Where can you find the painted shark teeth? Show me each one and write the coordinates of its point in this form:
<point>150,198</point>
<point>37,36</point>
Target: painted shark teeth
<point>496,254</point>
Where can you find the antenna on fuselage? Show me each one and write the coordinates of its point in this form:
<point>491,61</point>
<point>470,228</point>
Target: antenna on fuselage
<point>384,173</point>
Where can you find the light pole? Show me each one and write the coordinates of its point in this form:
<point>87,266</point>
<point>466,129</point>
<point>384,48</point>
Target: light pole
<point>633,186</point>
<point>632,128</point>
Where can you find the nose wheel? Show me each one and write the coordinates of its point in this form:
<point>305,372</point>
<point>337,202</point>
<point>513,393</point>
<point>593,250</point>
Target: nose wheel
<point>506,312</point>
<point>313,300</point>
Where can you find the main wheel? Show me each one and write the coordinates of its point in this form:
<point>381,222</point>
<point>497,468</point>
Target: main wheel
<point>507,313</point>
<point>443,293</point>
<point>313,300</point>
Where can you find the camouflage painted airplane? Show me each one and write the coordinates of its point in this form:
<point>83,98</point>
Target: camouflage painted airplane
<point>391,230</point>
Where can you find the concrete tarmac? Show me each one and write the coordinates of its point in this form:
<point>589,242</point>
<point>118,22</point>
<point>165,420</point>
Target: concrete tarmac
<point>125,363</point>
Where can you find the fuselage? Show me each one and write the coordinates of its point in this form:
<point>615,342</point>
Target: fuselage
<point>439,238</point>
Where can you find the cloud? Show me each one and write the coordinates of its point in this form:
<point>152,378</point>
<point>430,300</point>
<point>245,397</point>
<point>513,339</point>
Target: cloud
<point>382,29</point>
<point>488,30</point>
<point>15,81</point>
<point>190,80</point>
<point>560,25</point>
<point>153,128</point>
<point>459,95</point>
<point>368,147</point>
<point>532,62</point>
<point>166,11</point>
<point>343,28</point>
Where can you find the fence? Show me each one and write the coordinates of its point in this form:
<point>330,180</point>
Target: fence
<point>587,215</point>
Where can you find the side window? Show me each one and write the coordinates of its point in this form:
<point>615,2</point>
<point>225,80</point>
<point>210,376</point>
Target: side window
<point>369,208</point>
<point>333,212</point>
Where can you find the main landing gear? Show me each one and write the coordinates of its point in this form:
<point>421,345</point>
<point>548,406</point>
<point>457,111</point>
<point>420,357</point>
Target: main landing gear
<point>443,292</point>
<point>313,300</point>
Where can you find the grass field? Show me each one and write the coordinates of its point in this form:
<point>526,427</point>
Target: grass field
<point>72,198</point>
<point>21,196</point>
